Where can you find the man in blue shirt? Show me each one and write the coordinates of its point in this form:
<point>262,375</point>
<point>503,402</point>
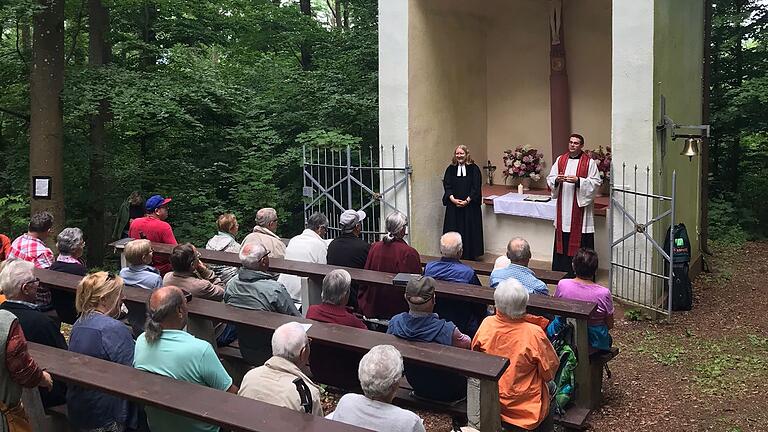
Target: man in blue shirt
<point>519,254</point>
<point>467,316</point>
<point>165,349</point>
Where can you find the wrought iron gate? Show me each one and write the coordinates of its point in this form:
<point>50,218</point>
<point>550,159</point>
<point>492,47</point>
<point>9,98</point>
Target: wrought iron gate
<point>639,273</point>
<point>337,179</point>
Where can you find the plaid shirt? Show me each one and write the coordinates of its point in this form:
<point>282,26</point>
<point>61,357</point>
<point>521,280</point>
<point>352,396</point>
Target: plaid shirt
<point>32,249</point>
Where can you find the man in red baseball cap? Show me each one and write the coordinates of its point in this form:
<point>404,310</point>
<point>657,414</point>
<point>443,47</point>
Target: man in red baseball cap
<point>153,227</point>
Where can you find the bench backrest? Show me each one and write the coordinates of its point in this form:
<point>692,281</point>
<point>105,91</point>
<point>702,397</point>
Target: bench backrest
<point>468,363</point>
<point>471,293</point>
<point>212,406</point>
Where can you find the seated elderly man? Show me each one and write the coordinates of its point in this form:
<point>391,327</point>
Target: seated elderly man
<point>166,349</point>
<point>519,254</point>
<point>348,249</point>
<point>255,288</point>
<point>19,284</point>
<point>70,244</point>
<point>192,275</point>
<point>420,324</point>
<point>224,241</point>
<point>264,233</point>
<point>280,380</point>
<point>309,246</point>
<point>335,296</point>
<point>513,334</point>
<point>380,371</point>
<point>465,315</point>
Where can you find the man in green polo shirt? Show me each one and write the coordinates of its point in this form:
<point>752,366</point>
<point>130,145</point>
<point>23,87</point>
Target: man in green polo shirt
<point>165,349</point>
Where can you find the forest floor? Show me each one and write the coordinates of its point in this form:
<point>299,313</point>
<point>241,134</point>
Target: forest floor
<point>707,370</point>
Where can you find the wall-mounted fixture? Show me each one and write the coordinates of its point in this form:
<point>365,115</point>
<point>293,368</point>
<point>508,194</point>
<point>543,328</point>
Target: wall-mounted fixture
<point>692,140</point>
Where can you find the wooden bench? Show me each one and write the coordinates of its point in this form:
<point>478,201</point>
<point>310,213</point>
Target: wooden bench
<point>485,268</point>
<point>576,311</point>
<point>212,406</point>
<point>483,367</point>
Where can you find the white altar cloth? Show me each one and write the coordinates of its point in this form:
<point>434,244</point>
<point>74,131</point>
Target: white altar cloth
<point>514,204</point>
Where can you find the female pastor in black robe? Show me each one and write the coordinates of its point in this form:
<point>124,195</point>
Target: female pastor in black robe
<point>462,184</point>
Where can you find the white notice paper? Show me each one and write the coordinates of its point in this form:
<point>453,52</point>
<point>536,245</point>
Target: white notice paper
<point>42,186</point>
<point>306,327</point>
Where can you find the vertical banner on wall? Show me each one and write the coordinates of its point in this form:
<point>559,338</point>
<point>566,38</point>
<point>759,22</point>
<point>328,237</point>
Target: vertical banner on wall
<point>559,93</point>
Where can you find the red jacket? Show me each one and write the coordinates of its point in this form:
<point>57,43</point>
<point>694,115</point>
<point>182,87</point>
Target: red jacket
<point>395,257</point>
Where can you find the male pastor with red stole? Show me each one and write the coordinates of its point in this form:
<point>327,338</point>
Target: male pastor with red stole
<point>574,181</point>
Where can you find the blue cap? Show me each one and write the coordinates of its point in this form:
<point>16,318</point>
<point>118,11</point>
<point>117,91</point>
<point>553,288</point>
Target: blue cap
<point>156,201</point>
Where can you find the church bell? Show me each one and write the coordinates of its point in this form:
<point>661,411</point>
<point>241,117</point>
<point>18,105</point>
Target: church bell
<point>691,148</point>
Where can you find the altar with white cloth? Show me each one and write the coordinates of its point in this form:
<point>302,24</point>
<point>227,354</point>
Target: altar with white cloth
<point>516,204</point>
<point>506,214</point>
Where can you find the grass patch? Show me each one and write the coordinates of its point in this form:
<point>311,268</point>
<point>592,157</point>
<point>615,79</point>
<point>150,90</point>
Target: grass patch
<point>730,365</point>
<point>665,350</point>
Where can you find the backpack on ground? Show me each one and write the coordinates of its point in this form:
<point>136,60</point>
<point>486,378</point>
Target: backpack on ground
<point>560,333</point>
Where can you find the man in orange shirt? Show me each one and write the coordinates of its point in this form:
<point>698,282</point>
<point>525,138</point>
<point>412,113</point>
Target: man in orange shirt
<point>513,334</point>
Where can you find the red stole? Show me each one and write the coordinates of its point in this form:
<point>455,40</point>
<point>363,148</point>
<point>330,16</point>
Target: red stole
<point>577,213</point>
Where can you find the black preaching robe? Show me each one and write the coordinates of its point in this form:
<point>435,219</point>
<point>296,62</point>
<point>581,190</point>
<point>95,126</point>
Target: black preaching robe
<point>467,221</point>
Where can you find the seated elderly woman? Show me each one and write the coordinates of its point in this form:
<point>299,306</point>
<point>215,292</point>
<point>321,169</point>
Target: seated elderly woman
<point>224,241</point>
<point>335,296</point>
<point>583,288</point>
<point>139,273</point>
<point>380,371</point>
<point>70,244</point>
<point>393,255</point>
<point>98,334</point>
<point>513,334</point>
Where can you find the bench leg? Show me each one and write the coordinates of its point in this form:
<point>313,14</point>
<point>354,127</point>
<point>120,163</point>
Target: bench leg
<point>311,293</point>
<point>202,328</point>
<point>483,409</point>
<point>38,419</point>
<point>585,396</point>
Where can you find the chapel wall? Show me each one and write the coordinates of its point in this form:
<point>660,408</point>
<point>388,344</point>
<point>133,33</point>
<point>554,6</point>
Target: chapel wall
<point>678,71</point>
<point>447,105</point>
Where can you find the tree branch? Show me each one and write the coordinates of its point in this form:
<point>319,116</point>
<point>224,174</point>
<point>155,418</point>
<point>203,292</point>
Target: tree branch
<point>77,32</point>
<point>18,49</point>
<point>18,115</point>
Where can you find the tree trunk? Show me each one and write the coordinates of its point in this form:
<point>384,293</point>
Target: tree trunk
<point>99,54</point>
<point>705,117</point>
<point>45,86</point>
<point>346,14</point>
<point>734,155</point>
<point>148,34</point>
<point>306,54</point>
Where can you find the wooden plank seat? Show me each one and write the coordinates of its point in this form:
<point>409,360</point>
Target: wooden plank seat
<point>315,272</point>
<point>212,406</point>
<point>485,268</point>
<point>483,367</point>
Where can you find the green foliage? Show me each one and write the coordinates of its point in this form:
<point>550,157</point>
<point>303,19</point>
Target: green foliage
<point>633,315</point>
<point>208,102</point>
<point>724,222</point>
<point>14,214</point>
<point>738,96</point>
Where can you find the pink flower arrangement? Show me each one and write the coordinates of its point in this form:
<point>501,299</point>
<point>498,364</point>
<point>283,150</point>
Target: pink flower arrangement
<point>603,160</point>
<point>523,162</point>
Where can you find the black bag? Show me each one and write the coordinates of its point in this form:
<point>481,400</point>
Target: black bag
<point>681,247</point>
<point>682,292</point>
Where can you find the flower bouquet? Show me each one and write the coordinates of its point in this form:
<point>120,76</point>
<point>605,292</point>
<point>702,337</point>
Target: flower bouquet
<point>603,160</point>
<point>523,163</point>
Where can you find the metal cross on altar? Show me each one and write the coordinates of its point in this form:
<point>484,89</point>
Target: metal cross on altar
<point>489,169</point>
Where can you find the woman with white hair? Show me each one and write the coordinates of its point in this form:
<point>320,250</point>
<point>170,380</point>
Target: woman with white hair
<point>380,371</point>
<point>513,334</point>
<point>70,244</point>
<point>393,255</point>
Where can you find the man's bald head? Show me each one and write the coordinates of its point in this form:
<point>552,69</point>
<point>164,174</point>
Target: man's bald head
<point>519,251</point>
<point>166,309</point>
<point>451,245</point>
